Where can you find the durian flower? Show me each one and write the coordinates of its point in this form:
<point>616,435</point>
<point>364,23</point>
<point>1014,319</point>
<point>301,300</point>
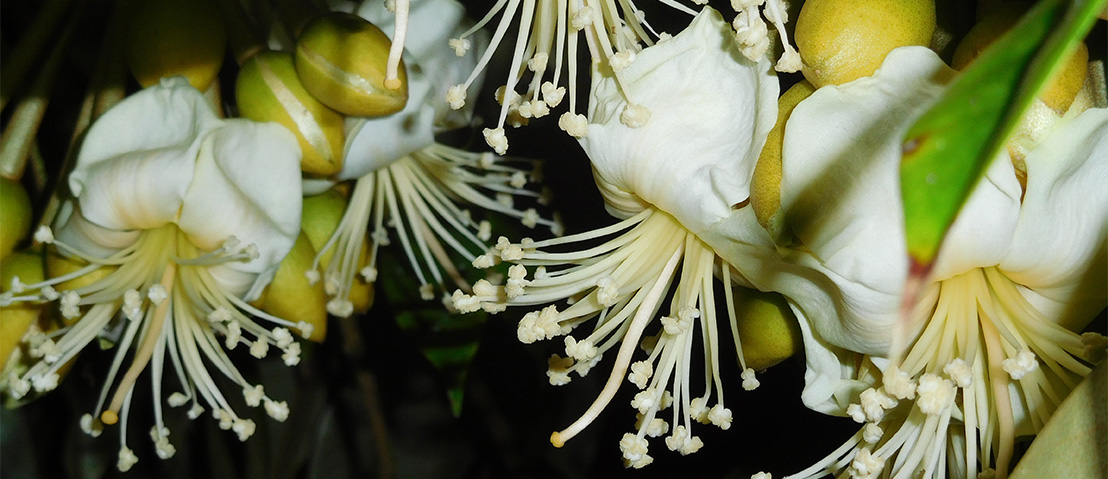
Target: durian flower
<point>672,180</point>
<point>406,180</point>
<point>993,348</point>
<point>614,34</point>
<point>184,218</point>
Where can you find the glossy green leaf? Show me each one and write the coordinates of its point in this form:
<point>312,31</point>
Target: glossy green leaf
<point>947,150</point>
<point>1072,444</point>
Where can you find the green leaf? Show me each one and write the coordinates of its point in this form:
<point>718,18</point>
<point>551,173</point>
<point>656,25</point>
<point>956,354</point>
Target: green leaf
<point>947,150</point>
<point>1072,442</point>
<point>448,341</point>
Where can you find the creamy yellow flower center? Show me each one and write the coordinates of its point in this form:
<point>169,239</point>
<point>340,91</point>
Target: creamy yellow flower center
<point>984,352</point>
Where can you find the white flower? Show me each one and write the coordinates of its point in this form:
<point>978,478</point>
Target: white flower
<point>195,214</point>
<point>1020,270</point>
<point>673,178</point>
<point>408,181</point>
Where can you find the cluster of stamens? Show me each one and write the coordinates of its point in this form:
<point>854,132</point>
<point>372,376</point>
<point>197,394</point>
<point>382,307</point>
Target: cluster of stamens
<point>158,301</point>
<point>951,395</point>
<point>622,284</point>
<point>420,196</point>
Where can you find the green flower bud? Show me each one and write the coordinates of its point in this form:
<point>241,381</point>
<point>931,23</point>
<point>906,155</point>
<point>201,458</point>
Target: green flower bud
<point>768,331</point>
<point>15,215</point>
<point>168,38</point>
<point>17,318</point>
<point>291,296</point>
<point>268,89</point>
<point>341,61</point>
<point>322,214</point>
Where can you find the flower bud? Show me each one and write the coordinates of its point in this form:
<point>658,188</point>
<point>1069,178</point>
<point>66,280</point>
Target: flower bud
<point>15,215</point>
<point>768,331</point>
<point>322,214</point>
<point>843,40</point>
<point>168,38</point>
<point>15,319</point>
<point>291,296</point>
<point>341,61</point>
<point>268,89</point>
<point>765,187</point>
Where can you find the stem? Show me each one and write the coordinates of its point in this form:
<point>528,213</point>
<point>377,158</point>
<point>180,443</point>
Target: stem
<point>29,49</point>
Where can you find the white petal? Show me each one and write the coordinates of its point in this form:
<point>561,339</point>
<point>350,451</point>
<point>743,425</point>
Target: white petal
<point>95,240</point>
<point>840,194</point>
<point>137,159</point>
<point>710,110</point>
<point>1059,246</point>
<point>247,184</point>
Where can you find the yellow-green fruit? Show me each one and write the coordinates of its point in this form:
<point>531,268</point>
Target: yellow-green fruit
<point>322,214</point>
<point>268,89</point>
<point>290,296</point>
<point>1061,90</point>
<point>15,215</point>
<point>767,329</point>
<point>843,40</point>
<point>168,38</point>
<point>58,265</point>
<point>341,60</point>
<point>765,191</point>
<point>16,318</point>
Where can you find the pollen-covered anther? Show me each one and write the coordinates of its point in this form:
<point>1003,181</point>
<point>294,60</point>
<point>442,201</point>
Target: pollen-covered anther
<point>575,124</point>
<point>538,62</point>
<point>496,139</point>
<point>558,370</point>
<point>898,384</point>
<point>872,433</point>
<point>244,428</point>
<point>162,447</point>
<point>552,95</point>
<point>126,459</point>
<point>621,60</point>
<point>583,17</point>
<point>305,329</point>
<point>874,404</point>
<point>516,281</point>
<point>640,374</point>
<point>278,410</point>
<point>607,291</point>
<point>340,307</point>
<point>18,387</point>
<point>253,395</point>
<point>44,235</point>
<point>750,380</point>
<point>234,334</point>
<point>866,465</point>
<point>507,250</point>
<point>177,399</point>
<point>959,372</point>
<point>582,351</point>
<point>91,426</point>
<point>634,449</point>
<point>17,286</point>
<point>291,355</point>
<point>935,394</point>
<point>70,305</point>
<point>683,441</point>
<point>720,416</point>
<point>156,294</point>
<point>460,45</point>
<point>634,116</point>
<point>369,274</point>
<point>132,304</point>
<point>456,97</point>
<point>645,400</point>
<point>1021,365</point>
